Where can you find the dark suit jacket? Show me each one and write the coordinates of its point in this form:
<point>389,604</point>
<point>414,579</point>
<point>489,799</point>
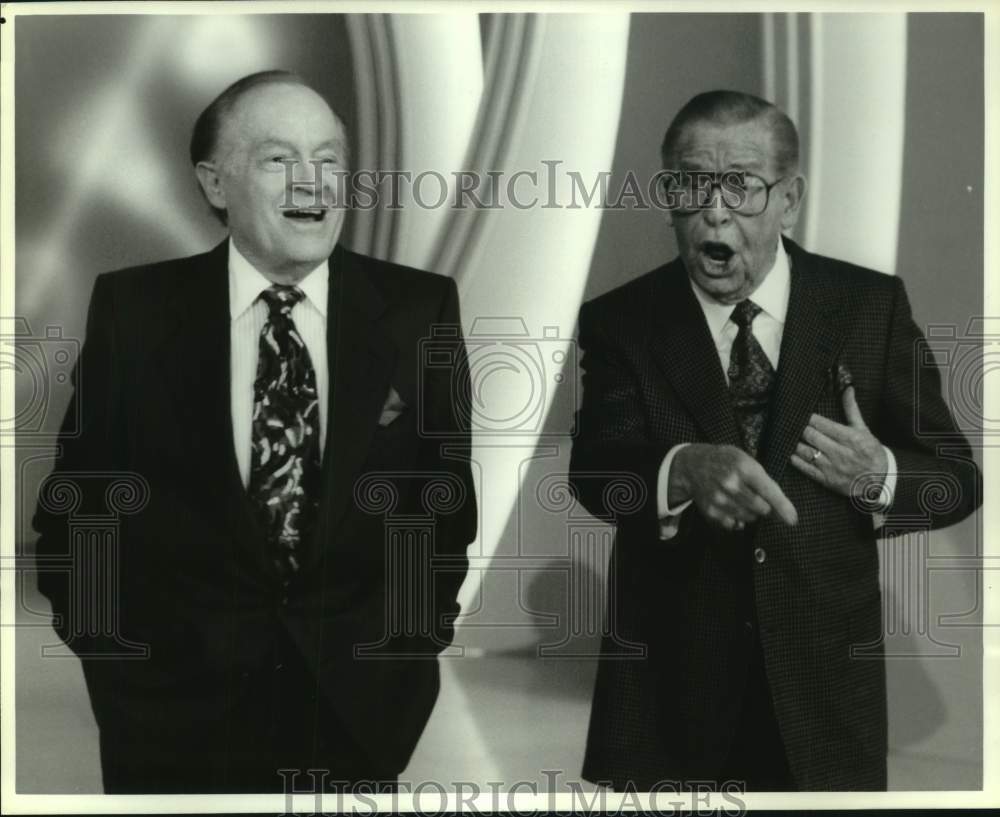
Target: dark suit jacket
<point>652,379</point>
<point>152,396</point>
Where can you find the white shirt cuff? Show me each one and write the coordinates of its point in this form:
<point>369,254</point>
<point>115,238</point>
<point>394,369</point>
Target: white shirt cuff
<point>888,490</point>
<point>669,517</point>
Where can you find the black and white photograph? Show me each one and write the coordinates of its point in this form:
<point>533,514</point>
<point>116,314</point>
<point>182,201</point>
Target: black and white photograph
<point>469,407</point>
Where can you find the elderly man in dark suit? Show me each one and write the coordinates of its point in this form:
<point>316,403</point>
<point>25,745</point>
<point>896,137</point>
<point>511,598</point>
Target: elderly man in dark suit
<point>268,400</point>
<point>768,402</point>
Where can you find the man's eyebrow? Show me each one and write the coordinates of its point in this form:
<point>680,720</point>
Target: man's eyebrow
<point>265,144</point>
<point>692,156</point>
<point>696,160</point>
<point>268,143</point>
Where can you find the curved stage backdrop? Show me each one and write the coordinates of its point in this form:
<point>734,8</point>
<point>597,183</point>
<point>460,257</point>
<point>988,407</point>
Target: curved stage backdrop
<point>891,115</point>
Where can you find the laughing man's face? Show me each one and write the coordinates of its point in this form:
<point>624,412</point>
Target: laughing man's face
<point>728,254</point>
<point>267,127</point>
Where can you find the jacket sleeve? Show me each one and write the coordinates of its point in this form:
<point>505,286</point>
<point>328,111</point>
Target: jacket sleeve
<point>614,464</point>
<point>938,482</point>
<point>85,447</point>
<point>448,452</point>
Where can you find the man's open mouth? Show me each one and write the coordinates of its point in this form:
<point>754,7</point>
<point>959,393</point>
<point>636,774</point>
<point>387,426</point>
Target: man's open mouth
<point>717,251</point>
<point>306,214</point>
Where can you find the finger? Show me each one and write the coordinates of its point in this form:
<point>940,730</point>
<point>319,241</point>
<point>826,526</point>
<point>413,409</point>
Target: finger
<point>722,520</point>
<point>808,469</point>
<point>743,513</point>
<point>755,503</point>
<point>738,499</point>
<point>736,507</point>
<point>768,489</point>
<point>833,430</point>
<point>734,523</point>
<point>751,503</point>
<point>808,454</point>
<point>823,443</point>
<point>852,410</point>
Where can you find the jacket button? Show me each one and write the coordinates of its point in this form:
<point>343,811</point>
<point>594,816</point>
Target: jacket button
<point>760,555</point>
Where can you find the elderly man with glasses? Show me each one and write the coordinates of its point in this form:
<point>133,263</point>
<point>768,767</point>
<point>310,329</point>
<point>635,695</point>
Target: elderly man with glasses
<point>768,400</point>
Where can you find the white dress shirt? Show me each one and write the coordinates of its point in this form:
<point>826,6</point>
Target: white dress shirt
<point>247,317</point>
<point>767,327</point>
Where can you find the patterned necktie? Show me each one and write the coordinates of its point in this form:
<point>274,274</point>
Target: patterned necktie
<point>751,377</point>
<point>285,468</point>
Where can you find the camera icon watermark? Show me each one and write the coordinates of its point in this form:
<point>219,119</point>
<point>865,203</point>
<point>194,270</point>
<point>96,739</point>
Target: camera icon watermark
<point>92,505</point>
<point>963,361</point>
<point>512,374</point>
<point>413,505</point>
<point>42,366</point>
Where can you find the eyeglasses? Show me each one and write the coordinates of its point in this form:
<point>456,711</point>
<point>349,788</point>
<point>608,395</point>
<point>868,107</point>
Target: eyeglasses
<point>688,192</point>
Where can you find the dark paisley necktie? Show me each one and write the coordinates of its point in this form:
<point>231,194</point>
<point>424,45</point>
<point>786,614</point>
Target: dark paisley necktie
<point>285,467</point>
<point>751,377</point>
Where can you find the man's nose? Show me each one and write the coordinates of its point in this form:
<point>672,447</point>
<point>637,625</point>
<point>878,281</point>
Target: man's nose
<point>716,213</point>
<point>305,184</point>
<point>305,176</point>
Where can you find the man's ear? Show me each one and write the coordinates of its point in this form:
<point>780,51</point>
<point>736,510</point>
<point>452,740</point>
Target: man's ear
<point>211,184</point>
<point>792,202</point>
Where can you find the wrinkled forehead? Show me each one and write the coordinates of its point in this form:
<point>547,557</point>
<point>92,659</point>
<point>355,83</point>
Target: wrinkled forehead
<point>281,112</point>
<point>714,145</point>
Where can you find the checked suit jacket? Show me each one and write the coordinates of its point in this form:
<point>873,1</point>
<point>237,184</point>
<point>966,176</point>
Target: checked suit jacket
<point>195,584</point>
<point>689,605</point>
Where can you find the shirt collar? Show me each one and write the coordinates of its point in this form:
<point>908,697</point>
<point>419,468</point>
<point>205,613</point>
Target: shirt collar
<point>246,283</point>
<point>771,296</point>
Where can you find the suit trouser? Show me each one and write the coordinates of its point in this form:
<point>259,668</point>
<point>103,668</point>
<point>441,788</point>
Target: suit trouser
<point>757,755</point>
<point>276,721</point>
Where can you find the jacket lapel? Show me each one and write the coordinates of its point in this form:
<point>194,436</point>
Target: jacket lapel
<point>682,346</point>
<point>362,359</point>
<point>195,359</point>
<point>812,337</point>
<point>195,362</point>
<point>814,331</point>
